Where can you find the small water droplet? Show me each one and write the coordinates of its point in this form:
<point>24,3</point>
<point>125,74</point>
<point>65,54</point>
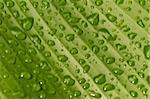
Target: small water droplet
<point>18,33</point>
<point>93,19</point>
<point>70,37</point>
<point>27,23</point>
<point>117,71</point>
<point>68,80</point>
<point>82,80</point>
<point>132,35</point>
<point>25,75</point>
<point>110,60</point>
<point>147,52</point>
<point>108,87</point>
<point>98,2</point>
<point>133,79</point>
<point>86,86</point>
<point>74,51</point>
<point>99,79</point>
<point>86,68</point>
<point>119,1</point>
<point>133,93</point>
<point>140,23</point>
<point>9,3</point>
<point>95,49</point>
<point>62,58</point>
<point>111,17</point>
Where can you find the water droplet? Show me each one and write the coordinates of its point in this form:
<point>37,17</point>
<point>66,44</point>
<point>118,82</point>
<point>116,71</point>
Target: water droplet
<point>27,23</point>
<point>50,42</point>
<point>25,75</point>
<point>62,27</point>
<point>125,28</point>
<point>148,79</point>
<point>141,74</point>
<point>144,91</point>
<point>77,30</point>
<point>140,23</point>
<point>32,51</point>
<point>95,94</point>
<point>16,14</point>
<point>86,86</point>
<point>93,19</point>
<point>68,80</point>
<point>99,79</point>
<point>117,71</point>
<point>82,80</point>
<point>104,48</point>
<point>81,61</point>
<point>9,3</point>
<point>86,68</point>
<point>74,51</point>
<point>36,39</point>
<point>110,60</point>
<point>119,1</point>
<point>147,52</point>
<point>131,62</point>
<point>70,37</point>
<point>84,24</point>
<point>77,93</point>
<point>132,35</point>
<point>95,49</point>
<point>120,46</point>
<point>98,2</point>
<point>62,58</point>
<point>108,87</point>
<point>36,87</point>
<point>35,4</point>
<point>133,79</point>
<point>18,33</point>
<point>133,93</point>
<point>111,17</point>
<point>45,4</point>
<point>42,95</point>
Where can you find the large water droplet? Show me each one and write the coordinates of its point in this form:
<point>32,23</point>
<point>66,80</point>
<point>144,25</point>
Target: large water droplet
<point>18,33</point>
<point>27,23</point>
<point>108,87</point>
<point>82,80</point>
<point>147,52</point>
<point>99,79</point>
<point>133,79</point>
<point>74,51</point>
<point>77,93</point>
<point>93,19</point>
<point>68,80</point>
<point>86,86</point>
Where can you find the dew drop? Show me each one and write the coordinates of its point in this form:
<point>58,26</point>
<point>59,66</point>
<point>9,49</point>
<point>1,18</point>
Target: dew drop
<point>86,68</point>
<point>95,95</point>
<point>9,3</point>
<point>117,71</point>
<point>36,87</point>
<point>132,35</point>
<point>25,75</point>
<point>140,23</point>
